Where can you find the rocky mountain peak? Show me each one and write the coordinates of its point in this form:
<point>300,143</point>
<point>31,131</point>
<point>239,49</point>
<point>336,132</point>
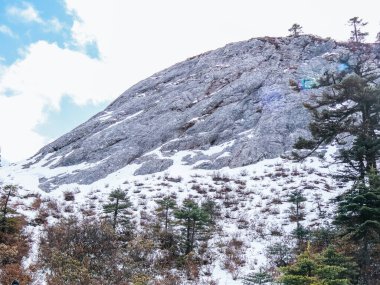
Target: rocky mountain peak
<point>225,108</point>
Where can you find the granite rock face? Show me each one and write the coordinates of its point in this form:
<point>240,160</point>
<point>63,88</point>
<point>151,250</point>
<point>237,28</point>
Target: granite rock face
<point>237,97</point>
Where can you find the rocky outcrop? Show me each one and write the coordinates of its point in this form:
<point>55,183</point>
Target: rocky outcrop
<point>237,97</point>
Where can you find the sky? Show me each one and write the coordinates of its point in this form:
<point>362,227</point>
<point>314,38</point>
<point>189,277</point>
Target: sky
<point>62,61</point>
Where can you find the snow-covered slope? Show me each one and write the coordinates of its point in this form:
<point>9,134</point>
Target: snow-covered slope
<point>253,200</point>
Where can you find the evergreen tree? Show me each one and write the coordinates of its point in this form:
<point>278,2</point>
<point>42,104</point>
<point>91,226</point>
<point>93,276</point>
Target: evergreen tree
<point>296,197</point>
<point>336,263</point>
<point>7,222</point>
<point>301,233</point>
<point>327,268</point>
<point>119,203</point>
<point>297,214</point>
<point>258,278</point>
<point>333,268</point>
<point>280,254</point>
<point>323,236</point>
<point>166,205</point>
<point>192,218</point>
<point>358,218</point>
<point>351,108</point>
<point>357,35</point>
<point>212,209</point>
<point>295,30</point>
<point>302,272</point>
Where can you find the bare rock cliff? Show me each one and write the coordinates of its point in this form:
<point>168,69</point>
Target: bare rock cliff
<point>237,97</point>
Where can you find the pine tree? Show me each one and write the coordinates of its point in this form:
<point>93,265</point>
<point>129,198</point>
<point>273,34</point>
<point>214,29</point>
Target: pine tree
<point>166,206</point>
<point>352,107</point>
<point>280,254</point>
<point>119,203</point>
<point>352,110</point>
<point>192,218</point>
<point>7,222</point>
<point>295,30</point>
<point>212,209</point>
<point>327,268</point>
<point>357,35</point>
<point>296,197</point>
<point>333,268</point>
<point>258,278</point>
<point>302,272</point>
<point>297,215</point>
<point>335,265</point>
<point>358,218</point>
<point>323,236</point>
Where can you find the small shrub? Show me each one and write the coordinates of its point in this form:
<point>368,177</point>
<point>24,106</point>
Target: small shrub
<point>69,196</point>
<point>36,203</point>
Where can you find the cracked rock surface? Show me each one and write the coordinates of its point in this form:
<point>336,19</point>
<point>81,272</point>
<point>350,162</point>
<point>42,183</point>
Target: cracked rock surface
<point>237,97</point>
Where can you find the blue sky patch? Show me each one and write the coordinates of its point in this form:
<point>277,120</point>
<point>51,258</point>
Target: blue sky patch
<point>25,22</point>
<point>92,50</point>
<point>10,93</point>
<point>69,117</point>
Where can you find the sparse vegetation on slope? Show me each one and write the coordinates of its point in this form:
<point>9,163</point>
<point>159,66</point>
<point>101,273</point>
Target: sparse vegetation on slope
<point>117,219</point>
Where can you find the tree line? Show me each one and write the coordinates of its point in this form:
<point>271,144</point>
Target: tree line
<point>347,114</point>
<point>357,34</point>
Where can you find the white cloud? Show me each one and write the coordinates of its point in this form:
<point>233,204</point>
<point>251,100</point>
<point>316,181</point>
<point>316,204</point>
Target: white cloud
<point>40,80</point>
<point>25,13</point>
<point>142,37</point>
<point>136,39</point>
<point>7,31</point>
<point>18,116</point>
<point>53,25</point>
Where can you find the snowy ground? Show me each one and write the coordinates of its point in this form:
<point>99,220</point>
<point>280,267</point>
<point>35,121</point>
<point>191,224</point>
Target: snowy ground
<point>253,199</point>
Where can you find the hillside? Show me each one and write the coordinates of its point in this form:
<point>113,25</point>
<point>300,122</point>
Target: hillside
<point>217,127</point>
<point>237,98</point>
<point>253,201</point>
